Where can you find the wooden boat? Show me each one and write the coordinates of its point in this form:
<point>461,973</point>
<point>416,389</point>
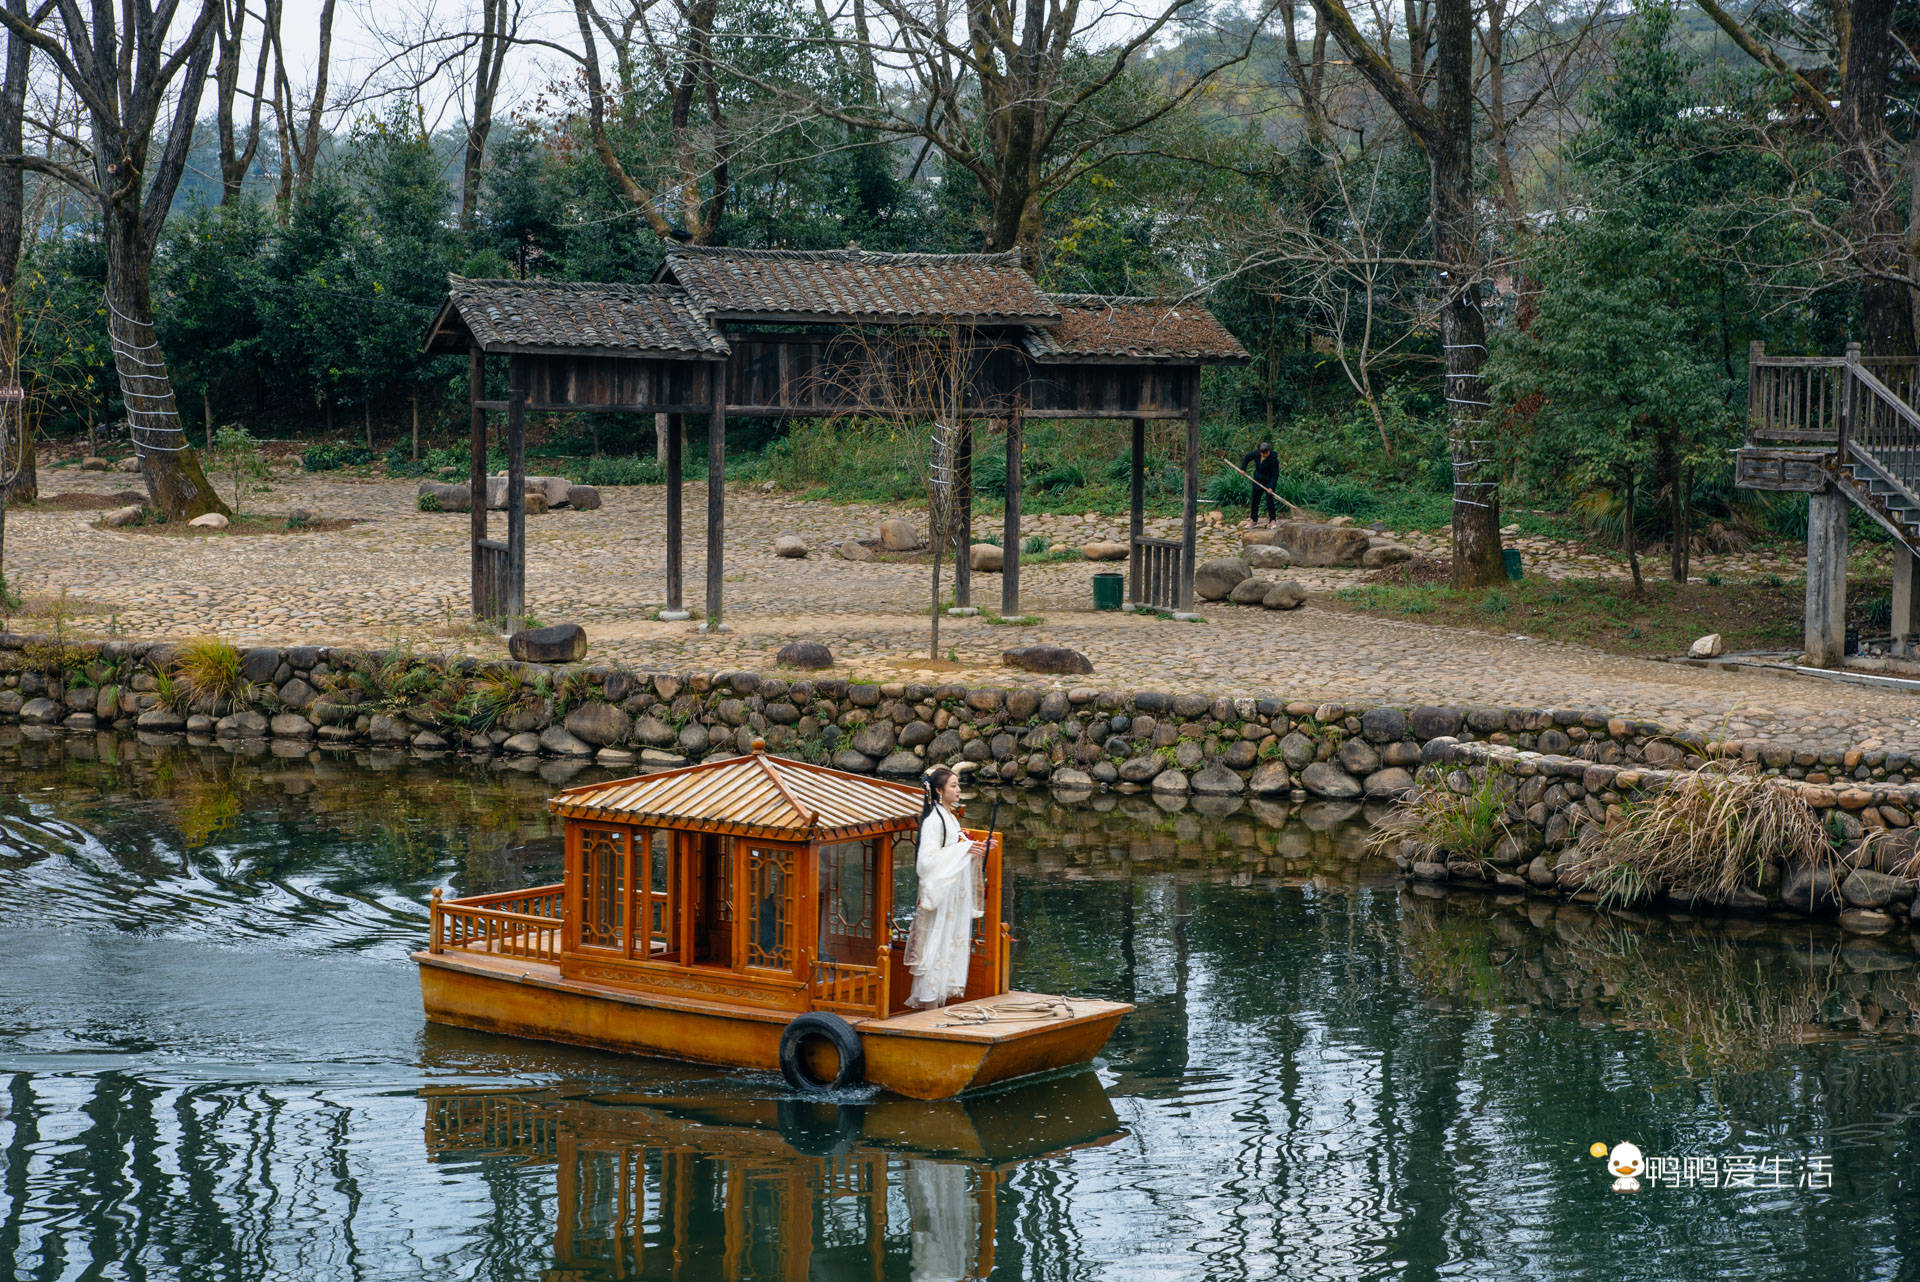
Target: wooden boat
<point>739,912</point>
<point>651,1186</point>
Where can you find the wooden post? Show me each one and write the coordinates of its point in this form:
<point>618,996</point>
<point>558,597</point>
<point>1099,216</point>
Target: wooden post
<point>477,473</point>
<point>1847,424</point>
<point>963,515</point>
<point>1826,620</point>
<point>672,431</point>
<point>1190,513</point>
<point>716,495</point>
<point>515,606</point>
<point>416,427</point>
<point>1010,527</point>
<point>1136,509</point>
<point>1904,615</point>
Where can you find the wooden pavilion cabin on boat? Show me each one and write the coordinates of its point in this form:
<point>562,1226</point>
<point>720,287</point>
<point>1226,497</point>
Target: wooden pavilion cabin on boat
<point>776,333</point>
<point>710,911</point>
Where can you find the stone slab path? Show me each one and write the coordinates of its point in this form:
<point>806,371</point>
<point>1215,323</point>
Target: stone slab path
<point>402,574</point>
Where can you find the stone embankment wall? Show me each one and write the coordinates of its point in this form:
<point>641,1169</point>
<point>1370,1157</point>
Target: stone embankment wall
<point>1082,737</point>
<point>1553,800</point>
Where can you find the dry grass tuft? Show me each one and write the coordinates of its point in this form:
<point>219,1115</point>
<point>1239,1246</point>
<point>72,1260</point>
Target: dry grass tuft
<point>1464,825</point>
<point>205,675</point>
<point>1710,832</point>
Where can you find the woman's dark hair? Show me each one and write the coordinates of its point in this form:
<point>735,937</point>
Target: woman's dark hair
<point>932,782</point>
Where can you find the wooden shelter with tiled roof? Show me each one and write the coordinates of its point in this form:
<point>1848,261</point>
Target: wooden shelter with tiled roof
<point>776,333</point>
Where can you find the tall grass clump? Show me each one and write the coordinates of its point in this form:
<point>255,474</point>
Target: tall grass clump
<point>1709,832</point>
<point>205,675</point>
<point>1464,825</point>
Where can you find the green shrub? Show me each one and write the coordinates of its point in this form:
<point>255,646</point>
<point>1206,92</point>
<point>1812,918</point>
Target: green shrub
<point>331,456</point>
<point>609,470</point>
<point>400,462</point>
<point>428,502</point>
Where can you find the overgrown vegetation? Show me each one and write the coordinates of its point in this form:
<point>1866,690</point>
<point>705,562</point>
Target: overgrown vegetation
<point>205,676</point>
<point>1710,832</point>
<point>1449,824</point>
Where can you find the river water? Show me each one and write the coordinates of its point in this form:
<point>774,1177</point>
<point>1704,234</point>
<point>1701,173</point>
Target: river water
<point>213,1065</point>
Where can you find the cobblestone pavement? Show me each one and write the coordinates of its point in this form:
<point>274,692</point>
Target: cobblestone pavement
<point>402,574</point>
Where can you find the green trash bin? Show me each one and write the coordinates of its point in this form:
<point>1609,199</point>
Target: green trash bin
<point>1511,558</point>
<point>1108,590</point>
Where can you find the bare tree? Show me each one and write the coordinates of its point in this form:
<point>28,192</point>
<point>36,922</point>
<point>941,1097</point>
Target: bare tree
<point>1444,131</point>
<point>237,147</point>
<point>674,41</point>
<point>126,65</point>
<point>300,140</point>
<point>1024,97</point>
<point>499,28</point>
<point>1861,57</point>
<point>16,441</point>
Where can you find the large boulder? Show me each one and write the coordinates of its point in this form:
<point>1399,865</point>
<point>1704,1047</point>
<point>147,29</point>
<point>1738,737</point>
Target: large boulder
<point>583,498</point>
<point>1265,556</point>
<point>209,521</point>
<point>438,496</point>
<point>988,558</point>
<point>804,654</point>
<point>1315,543</point>
<point>94,463</point>
<point>123,516</point>
<point>1324,779</point>
<point>1709,646</point>
<point>1250,591</point>
<point>1214,580</point>
<point>598,723</point>
<point>1381,553</point>
<point>497,494</point>
<point>561,643</point>
<point>1055,659</point>
<point>790,546</point>
<point>1286,595</point>
<point>852,550</point>
<point>1104,551</point>
<point>897,535</point>
<point>556,489</point>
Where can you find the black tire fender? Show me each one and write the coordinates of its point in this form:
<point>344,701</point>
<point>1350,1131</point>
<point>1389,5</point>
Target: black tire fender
<point>819,1024</point>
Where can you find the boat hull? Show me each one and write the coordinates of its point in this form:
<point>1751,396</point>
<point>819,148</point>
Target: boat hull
<point>923,1055</point>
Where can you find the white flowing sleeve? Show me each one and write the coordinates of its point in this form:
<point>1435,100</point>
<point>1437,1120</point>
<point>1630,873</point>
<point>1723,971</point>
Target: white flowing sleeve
<point>944,867</point>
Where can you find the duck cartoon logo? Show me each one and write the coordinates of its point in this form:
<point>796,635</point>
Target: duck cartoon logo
<point>1624,1162</point>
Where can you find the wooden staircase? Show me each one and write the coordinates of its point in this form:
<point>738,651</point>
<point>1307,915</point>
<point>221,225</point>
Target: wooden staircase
<point>1838,427</point>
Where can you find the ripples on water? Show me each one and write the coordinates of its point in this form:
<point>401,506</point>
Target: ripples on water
<point>213,1065</point>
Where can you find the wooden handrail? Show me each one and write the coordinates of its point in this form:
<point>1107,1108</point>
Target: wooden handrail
<point>500,896</point>
<point>490,930</point>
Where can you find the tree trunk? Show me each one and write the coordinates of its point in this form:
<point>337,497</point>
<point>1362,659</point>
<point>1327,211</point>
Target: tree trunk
<point>168,464</point>
<point>24,487</point>
<point>1463,328</point>
<point>1633,540</point>
<point>1886,305</point>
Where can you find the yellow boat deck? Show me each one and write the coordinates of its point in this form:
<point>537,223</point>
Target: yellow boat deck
<point>926,1054</point>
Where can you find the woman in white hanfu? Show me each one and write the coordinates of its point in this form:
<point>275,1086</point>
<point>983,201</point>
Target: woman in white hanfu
<point>948,866</point>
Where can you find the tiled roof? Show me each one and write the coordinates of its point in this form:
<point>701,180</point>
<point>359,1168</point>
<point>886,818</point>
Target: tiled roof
<point>544,315</point>
<point>756,795</point>
<point>855,285</point>
<point>1096,327</point>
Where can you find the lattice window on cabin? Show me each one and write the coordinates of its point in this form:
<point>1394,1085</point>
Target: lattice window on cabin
<point>769,909</point>
<point>658,888</point>
<point>847,882</point>
<point>603,887</point>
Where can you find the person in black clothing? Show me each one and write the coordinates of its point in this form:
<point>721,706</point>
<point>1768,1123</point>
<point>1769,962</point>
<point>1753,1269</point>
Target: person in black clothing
<point>1264,464</point>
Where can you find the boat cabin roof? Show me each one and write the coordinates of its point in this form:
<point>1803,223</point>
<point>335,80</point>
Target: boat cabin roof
<point>752,796</point>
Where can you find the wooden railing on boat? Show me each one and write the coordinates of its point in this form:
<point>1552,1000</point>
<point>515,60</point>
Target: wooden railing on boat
<point>513,923</point>
<point>847,988</point>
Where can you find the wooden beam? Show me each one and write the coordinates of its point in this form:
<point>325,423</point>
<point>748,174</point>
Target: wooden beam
<point>1826,617</point>
<point>477,475</point>
<point>1905,615</point>
<point>676,532</point>
<point>1136,509</point>
<point>515,606</point>
<point>716,500</point>
<point>1010,528</point>
<point>1190,513</point>
<point>963,515</point>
